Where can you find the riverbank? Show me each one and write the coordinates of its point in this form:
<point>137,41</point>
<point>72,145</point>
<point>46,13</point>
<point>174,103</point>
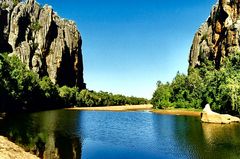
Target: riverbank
<point>9,150</point>
<point>148,107</point>
<point>115,108</point>
<point>186,112</point>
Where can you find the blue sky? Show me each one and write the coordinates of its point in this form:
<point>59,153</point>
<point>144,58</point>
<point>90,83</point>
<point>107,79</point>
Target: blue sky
<point>128,45</point>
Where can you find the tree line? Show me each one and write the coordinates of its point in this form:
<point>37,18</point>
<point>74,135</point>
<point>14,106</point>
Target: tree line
<point>204,84</point>
<point>23,90</point>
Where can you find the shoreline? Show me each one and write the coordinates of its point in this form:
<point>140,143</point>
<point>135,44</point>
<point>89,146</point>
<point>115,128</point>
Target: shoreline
<point>9,149</point>
<point>147,107</point>
<point>115,108</point>
<point>182,112</point>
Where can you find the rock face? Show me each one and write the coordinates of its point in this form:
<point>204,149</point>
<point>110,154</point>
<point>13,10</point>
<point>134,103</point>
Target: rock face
<point>9,150</point>
<point>47,44</point>
<point>218,36</point>
<point>208,116</point>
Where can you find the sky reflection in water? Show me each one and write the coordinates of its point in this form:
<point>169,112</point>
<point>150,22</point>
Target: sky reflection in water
<point>113,135</point>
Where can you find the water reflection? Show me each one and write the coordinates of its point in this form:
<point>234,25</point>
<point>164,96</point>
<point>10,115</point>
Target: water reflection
<point>214,132</point>
<point>164,134</point>
<point>221,140</point>
<point>111,135</point>
<point>47,135</point>
<point>187,137</point>
<point>181,135</point>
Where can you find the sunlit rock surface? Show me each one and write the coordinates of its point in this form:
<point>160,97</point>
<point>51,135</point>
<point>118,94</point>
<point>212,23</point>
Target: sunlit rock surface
<point>9,150</point>
<point>218,37</point>
<point>208,116</point>
<point>47,44</point>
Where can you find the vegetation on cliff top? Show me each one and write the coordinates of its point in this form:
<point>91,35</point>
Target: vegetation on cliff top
<point>23,90</point>
<point>205,84</point>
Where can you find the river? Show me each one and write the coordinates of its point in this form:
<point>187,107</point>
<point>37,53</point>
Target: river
<point>70,134</point>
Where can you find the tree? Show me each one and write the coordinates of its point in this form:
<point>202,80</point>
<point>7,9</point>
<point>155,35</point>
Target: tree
<point>162,95</point>
<point>18,84</point>
<point>68,95</point>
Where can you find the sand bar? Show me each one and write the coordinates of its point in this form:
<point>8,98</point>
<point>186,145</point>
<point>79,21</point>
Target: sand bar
<point>148,107</point>
<point>177,112</point>
<point>115,108</point>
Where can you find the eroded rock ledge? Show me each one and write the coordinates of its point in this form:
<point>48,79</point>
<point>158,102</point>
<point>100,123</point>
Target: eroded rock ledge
<point>9,150</point>
<point>47,44</point>
<point>208,116</point>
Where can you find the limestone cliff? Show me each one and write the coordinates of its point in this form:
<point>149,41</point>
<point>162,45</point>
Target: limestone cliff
<point>218,37</point>
<point>46,43</point>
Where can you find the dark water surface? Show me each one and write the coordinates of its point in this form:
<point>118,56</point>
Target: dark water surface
<point>121,135</point>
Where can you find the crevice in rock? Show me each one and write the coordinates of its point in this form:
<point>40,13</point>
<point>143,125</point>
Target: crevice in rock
<point>79,65</point>
<point>23,24</point>
<point>4,45</point>
<point>219,43</point>
<point>32,49</point>
<point>65,73</point>
<point>222,16</point>
<point>51,35</point>
<point>43,70</point>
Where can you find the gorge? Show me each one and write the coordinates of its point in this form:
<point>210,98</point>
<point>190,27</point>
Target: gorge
<point>42,69</point>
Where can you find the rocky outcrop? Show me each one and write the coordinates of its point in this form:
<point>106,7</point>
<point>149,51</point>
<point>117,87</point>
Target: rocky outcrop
<point>9,150</point>
<point>208,116</point>
<point>47,44</point>
<point>218,37</point>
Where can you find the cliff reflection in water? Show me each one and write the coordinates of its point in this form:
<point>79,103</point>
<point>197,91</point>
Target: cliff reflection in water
<point>45,135</point>
<point>112,135</point>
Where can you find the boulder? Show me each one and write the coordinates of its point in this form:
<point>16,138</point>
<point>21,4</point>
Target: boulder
<point>208,116</point>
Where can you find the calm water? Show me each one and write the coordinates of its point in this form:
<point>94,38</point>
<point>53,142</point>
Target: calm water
<point>121,135</point>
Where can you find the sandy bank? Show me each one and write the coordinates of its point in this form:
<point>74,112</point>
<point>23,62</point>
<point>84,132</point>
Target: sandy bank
<point>141,107</point>
<point>177,112</point>
<point>9,150</point>
<point>115,108</point>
